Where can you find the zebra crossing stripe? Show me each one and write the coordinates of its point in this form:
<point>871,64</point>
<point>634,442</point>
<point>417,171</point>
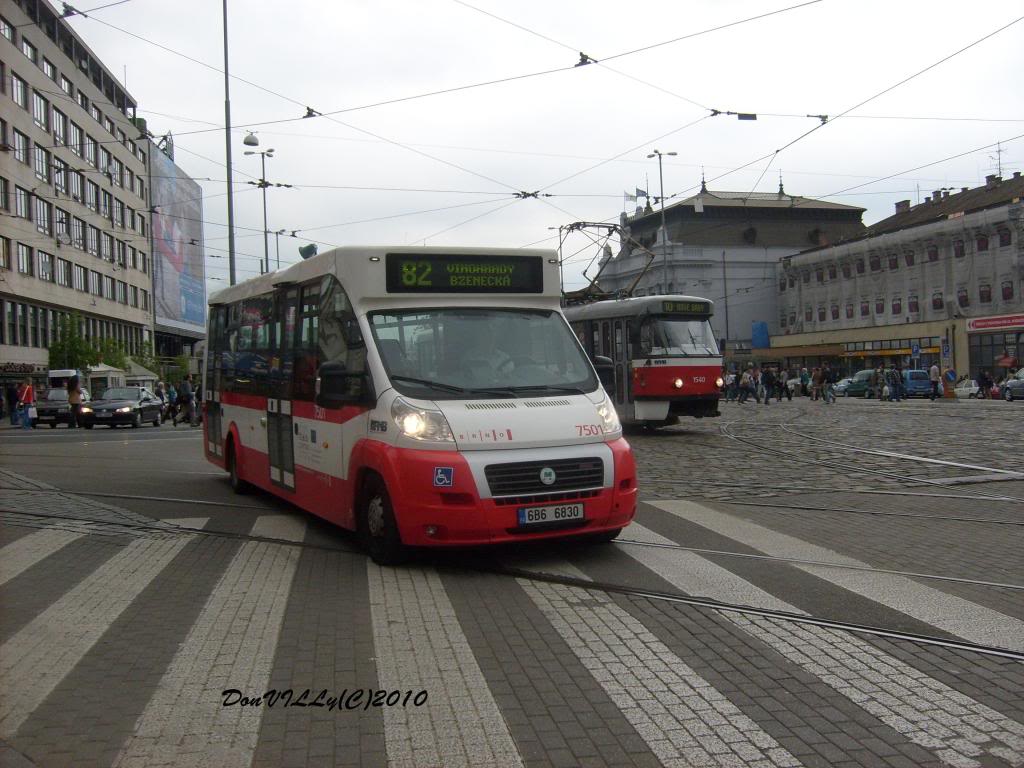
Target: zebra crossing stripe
<point>683,719</point>
<point>38,657</point>
<point>20,555</point>
<point>947,612</point>
<point>285,527</point>
<point>956,728</point>
<point>420,646</point>
<point>231,645</point>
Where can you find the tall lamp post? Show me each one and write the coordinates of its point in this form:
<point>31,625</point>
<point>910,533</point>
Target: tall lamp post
<point>227,153</point>
<point>252,141</point>
<point>277,244</point>
<point>664,229</point>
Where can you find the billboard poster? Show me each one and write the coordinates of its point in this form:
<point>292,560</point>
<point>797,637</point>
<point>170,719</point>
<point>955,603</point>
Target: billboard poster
<point>179,275</point>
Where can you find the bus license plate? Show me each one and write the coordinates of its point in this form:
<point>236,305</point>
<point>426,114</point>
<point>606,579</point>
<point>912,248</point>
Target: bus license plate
<point>552,514</point>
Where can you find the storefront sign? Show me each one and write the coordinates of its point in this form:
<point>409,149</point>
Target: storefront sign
<point>998,322</point>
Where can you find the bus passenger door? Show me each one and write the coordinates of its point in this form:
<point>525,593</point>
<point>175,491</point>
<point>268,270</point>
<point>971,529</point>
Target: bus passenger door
<point>212,374</point>
<point>280,448</point>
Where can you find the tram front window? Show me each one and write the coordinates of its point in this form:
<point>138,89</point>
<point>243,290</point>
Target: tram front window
<point>442,354</point>
<point>676,336</point>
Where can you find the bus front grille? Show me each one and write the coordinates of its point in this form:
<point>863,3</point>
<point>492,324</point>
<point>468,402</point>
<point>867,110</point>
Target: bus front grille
<point>523,478</point>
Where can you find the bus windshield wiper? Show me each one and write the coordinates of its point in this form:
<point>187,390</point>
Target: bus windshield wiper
<point>548,387</point>
<point>428,383</point>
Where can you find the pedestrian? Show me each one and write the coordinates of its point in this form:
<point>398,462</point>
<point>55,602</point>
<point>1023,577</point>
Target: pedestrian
<point>935,376</point>
<point>730,386</point>
<point>172,402</point>
<point>805,380</point>
<point>744,387</point>
<point>827,382</point>
<point>26,402</point>
<point>768,382</point>
<point>984,385</point>
<point>186,402</point>
<point>75,402</point>
<point>815,383</point>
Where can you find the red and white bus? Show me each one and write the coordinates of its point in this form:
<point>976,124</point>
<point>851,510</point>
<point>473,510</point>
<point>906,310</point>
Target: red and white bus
<point>666,360</point>
<point>419,396</point>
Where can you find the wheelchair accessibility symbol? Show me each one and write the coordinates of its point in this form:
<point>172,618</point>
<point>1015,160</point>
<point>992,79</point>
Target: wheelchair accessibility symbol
<point>444,477</point>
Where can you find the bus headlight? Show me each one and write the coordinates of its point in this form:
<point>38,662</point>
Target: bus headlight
<point>420,423</point>
<point>609,418</point>
<point>719,381</point>
<point>678,383</point>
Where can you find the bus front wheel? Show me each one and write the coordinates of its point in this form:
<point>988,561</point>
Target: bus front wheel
<point>378,531</point>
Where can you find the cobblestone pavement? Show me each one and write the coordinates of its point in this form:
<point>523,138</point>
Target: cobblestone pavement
<point>131,605</point>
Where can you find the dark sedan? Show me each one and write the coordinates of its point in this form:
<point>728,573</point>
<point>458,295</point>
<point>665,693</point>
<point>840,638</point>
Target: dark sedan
<point>131,406</point>
<point>54,408</point>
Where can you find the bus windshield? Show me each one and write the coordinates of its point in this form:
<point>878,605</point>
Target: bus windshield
<point>449,353</point>
<point>677,336</point>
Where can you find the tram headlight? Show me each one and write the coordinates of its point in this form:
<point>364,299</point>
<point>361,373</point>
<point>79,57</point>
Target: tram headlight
<point>423,424</point>
<point>678,383</point>
<point>719,382</point>
<point>610,423</point>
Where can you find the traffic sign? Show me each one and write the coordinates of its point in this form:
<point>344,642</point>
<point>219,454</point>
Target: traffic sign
<point>915,350</point>
<point>945,349</point>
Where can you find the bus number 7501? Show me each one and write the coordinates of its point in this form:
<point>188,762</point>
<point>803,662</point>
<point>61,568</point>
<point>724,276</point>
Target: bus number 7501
<point>587,430</point>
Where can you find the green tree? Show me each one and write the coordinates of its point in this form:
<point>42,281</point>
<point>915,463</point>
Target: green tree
<point>110,352</point>
<point>71,349</point>
<point>147,359</point>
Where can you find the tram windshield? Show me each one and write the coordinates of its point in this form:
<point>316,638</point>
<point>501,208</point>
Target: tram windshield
<point>677,336</point>
<point>449,353</point>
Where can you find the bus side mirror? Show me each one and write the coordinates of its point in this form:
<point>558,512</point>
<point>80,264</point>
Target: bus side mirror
<point>605,370</point>
<point>336,387</point>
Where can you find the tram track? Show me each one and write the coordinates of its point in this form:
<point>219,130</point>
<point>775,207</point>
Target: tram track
<point>676,598</point>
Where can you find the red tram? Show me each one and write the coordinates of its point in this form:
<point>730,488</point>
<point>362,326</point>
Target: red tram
<point>666,360</point>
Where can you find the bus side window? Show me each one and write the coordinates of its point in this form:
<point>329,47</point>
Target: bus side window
<point>645,338</point>
<point>618,340</point>
<point>307,344</point>
<point>606,341</point>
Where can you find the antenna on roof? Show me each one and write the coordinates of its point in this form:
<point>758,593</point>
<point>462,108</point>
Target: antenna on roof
<point>781,190</point>
<point>703,186</point>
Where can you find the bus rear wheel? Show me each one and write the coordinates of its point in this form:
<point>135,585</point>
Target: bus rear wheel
<point>378,531</point>
<point>238,485</point>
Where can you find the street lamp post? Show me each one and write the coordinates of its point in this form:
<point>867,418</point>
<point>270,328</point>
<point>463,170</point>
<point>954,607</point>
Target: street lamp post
<point>277,245</point>
<point>227,141</point>
<point>252,141</point>
<point>664,229</point>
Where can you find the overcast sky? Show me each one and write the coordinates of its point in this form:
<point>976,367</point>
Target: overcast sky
<point>443,169</point>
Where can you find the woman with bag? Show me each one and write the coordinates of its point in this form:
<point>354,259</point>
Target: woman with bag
<point>75,401</point>
<point>27,403</point>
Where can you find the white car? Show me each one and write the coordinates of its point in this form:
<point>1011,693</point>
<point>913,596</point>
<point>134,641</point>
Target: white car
<point>967,388</point>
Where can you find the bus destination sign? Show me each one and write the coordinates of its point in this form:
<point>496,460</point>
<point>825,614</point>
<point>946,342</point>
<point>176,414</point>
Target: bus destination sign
<point>684,307</point>
<point>450,273</point>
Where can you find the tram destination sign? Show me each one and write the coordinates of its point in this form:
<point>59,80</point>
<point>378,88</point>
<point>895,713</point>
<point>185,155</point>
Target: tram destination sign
<point>684,307</point>
<point>451,273</point>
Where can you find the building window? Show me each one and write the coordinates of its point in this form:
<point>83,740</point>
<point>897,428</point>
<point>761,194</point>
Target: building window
<point>105,203</point>
<point>49,70</point>
<point>835,311</point>
<point>1004,238</point>
<point>44,211</point>
<point>109,125</point>
<point>879,306</point>
<point>29,50</point>
<point>42,164</point>
<point>908,258</point>
<point>6,29</point>
<point>45,266</point>
<point>60,176</point>
<point>19,91</point>
<point>808,314</point>
<point>865,308</point>
<point>792,319</point>
<point>831,271</point>
<point>894,262</point>
<point>1007,287</point>
<point>60,127</point>
<point>807,277</point>
<point>933,253</point>
<point>782,321</point>
<point>145,299</point>
<point>782,286</point>
<point>90,150</point>
<point>94,283</point>
<point>40,111</point>
<point>876,262</point>
<point>985,293</point>
<point>860,266</point>
<point>134,294</point>
<point>66,86</point>
<point>77,186</point>
<point>94,112</point>
<point>83,101</point>
<point>937,301</point>
<point>122,292</point>
<point>92,240</point>
<point>5,253</point>
<point>5,202</point>
<point>131,257</point>
<point>21,204</point>
<point>819,275</point>
<point>897,306</point>
<point>821,314</point>
<point>76,135</point>
<point>78,233</point>
<point>21,146</point>
<point>982,243</point>
<point>79,277</point>
<point>849,311</point>
<point>25,259</point>
<point>62,222</point>
<point>119,213</point>
<point>847,270</point>
<point>962,298</point>
<point>108,287</point>
<point>106,247</point>
<point>143,262</point>
<point>92,193</point>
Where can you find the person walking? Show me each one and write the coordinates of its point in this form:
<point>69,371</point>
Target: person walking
<point>74,402</point>
<point>745,385</point>
<point>186,399</point>
<point>768,382</point>
<point>26,402</point>
<point>935,376</point>
<point>172,402</point>
<point>827,382</point>
<point>805,380</point>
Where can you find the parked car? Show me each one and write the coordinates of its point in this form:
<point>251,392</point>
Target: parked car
<point>1013,387</point>
<point>917,383</point>
<point>123,405</point>
<point>841,385</point>
<point>968,388</point>
<point>54,408</point>
<point>860,384</point>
